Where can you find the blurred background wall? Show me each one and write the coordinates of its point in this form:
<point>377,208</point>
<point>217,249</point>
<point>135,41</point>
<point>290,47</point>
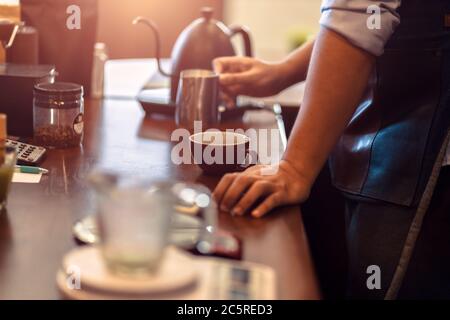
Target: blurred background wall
<point>276,25</point>
<point>127,41</point>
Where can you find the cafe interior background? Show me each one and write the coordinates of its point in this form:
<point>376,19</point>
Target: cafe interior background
<point>276,27</point>
<point>273,23</point>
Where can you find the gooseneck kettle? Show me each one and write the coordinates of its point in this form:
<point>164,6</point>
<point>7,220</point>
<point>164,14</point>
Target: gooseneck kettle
<point>198,45</point>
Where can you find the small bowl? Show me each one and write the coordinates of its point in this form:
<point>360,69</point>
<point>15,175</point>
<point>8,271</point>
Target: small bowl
<point>220,152</point>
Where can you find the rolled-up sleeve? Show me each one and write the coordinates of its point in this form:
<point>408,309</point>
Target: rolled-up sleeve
<point>349,18</point>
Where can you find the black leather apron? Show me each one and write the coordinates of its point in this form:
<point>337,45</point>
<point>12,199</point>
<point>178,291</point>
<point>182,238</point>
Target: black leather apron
<point>389,148</point>
<point>390,155</point>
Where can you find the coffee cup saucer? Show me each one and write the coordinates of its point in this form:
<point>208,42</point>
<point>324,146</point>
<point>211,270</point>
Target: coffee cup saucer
<point>176,272</point>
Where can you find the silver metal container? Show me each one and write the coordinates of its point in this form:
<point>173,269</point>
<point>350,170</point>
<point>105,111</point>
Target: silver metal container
<point>198,99</point>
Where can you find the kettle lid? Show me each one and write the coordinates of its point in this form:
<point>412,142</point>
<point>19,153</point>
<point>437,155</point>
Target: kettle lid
<point>207,12</point>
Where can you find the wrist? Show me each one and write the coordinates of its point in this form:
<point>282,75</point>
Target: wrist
<point>299,172</point>
<point>280,75</point>
<point>286,73</point>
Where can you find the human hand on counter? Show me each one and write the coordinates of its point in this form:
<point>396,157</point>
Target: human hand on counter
<point>238,192</point>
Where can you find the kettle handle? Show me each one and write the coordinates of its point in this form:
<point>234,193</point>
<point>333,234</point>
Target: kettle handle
<point>245,33</point>
<point>149,23</point>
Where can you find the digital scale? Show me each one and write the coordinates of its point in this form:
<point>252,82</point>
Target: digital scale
<point>27,154</point>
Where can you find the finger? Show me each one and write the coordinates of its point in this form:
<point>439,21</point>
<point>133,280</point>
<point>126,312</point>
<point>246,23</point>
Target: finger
<point>231,64</point>
<point>235,90</point>
<point>223,186</point>
<point>218,65</point>
<point>235,191</point>
<point>227,93</point>
<point>256,191</point>
<point>239,78</point>
<point>228,100</point>
<point>267,205</point>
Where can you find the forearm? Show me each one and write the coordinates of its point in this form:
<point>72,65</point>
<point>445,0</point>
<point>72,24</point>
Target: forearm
<point>337,78</point>
<point>294,68</point>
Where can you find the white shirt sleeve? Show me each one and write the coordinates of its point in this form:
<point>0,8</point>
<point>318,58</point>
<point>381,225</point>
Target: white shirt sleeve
<point>353,20</point>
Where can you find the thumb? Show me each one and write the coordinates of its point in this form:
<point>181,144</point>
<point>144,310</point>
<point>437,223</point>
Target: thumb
<point>217,65</point>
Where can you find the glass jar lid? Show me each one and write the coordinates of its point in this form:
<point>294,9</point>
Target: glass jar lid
<point>59,90</point>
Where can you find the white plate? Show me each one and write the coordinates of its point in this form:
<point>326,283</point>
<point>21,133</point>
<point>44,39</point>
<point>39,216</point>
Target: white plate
<point>177,271</point>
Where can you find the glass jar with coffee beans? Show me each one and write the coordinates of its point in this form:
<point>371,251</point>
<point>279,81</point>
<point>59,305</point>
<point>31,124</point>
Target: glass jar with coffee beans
<point>58,115</point>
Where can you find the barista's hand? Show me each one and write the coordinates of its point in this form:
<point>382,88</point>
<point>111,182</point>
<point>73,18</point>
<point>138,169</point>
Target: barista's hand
<point>237,192</point>
<point>248,76</point>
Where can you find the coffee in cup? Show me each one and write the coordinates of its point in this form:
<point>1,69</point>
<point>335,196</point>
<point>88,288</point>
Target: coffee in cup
<point>219,152</point>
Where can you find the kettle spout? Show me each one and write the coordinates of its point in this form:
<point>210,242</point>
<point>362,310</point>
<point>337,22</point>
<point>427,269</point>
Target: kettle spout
<point>149,23</point>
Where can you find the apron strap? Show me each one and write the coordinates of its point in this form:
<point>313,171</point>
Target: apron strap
<point>416,225</point>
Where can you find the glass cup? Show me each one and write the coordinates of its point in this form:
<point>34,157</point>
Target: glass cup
<point>8,158</point>
<point>134,220</point>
